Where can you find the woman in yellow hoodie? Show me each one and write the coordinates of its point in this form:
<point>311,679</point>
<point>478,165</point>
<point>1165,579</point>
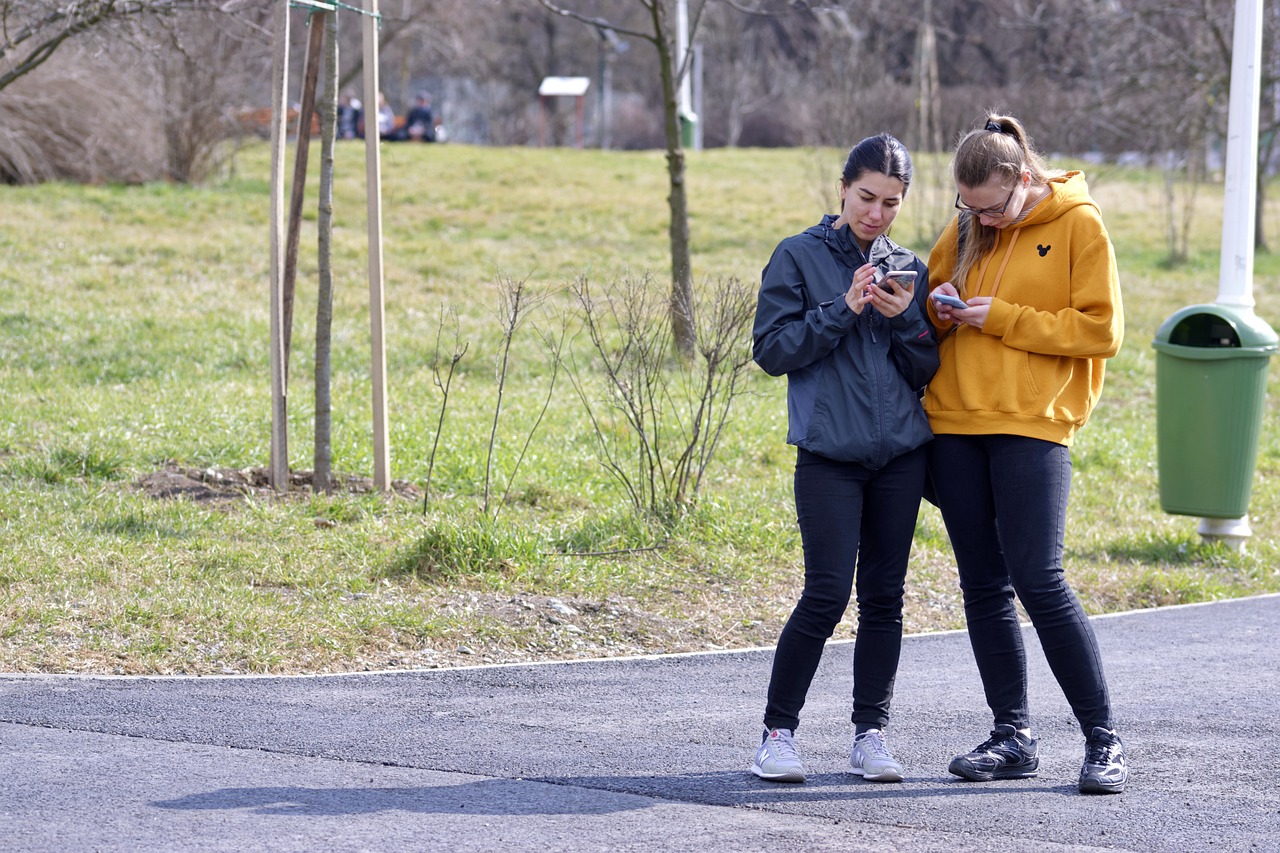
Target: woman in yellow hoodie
<point>1035,311</point>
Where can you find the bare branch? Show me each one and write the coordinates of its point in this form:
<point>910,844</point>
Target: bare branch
<point>599,23</point>
<point>58,23</point>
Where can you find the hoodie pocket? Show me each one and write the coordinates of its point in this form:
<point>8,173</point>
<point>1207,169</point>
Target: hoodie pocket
<point>1050,389</point>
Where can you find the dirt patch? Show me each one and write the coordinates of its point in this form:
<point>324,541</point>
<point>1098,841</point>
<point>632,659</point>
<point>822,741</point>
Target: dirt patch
<point>546,628</point>
<point>222,484</point>
<point>482,626</point>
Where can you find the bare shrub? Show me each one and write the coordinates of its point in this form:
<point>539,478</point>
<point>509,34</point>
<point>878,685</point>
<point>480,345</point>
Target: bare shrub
<point>658,420</point>
<point>78,120</point>
<point>516,301</point>
<point>442,378</point>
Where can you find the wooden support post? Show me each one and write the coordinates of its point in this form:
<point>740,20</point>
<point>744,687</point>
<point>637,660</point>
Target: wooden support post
<point>298,190</point>
<point>373,185</point>
<point>279,468</point>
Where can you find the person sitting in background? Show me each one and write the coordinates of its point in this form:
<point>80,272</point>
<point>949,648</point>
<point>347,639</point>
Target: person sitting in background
<point>386,119</point>
<point>348,116</point>
<point>420,123</point>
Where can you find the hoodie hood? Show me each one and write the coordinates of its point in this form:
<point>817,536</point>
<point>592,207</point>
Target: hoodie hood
<point>1067,191</point>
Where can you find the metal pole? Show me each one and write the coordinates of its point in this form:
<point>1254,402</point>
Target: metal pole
<point>688,118</point>
<point>1240,196</point>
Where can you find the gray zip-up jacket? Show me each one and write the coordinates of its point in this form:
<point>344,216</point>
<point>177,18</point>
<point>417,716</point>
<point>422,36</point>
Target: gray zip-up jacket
<point>853,380</point>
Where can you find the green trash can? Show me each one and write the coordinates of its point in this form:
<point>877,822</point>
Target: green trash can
<point>1211,383</point>
<point>688,122</point>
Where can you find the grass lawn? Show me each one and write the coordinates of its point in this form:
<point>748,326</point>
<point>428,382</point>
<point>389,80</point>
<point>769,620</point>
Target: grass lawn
<point>137,537</point>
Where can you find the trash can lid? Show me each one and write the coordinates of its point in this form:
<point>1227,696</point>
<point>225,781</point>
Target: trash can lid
<point>1211,325</point>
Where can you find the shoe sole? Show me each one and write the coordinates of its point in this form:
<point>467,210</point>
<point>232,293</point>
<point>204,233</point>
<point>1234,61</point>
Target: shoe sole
<point>883,776</point>
<point>1095,786</point>
<point>957,769</point>
<point>789,776</point>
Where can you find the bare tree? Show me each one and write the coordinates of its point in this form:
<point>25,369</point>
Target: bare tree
<point>753,75</point>
<point>31,31</point>
<point>199,63</point>
<point>321,477</point>
<point>143,93</point>
<point>77,120</point>
<point>661,33</point>
<point>516,300</point>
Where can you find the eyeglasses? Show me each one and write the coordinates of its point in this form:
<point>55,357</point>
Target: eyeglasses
<point>990,212</point>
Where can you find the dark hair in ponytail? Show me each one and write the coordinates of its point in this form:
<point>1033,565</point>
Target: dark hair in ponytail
<point>882,153</point>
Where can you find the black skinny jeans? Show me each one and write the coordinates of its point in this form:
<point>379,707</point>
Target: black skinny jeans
<point>849,515</point>
<point>1004,501</point>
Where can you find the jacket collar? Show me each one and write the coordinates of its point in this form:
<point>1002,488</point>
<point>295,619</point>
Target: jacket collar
<point>841,243</point>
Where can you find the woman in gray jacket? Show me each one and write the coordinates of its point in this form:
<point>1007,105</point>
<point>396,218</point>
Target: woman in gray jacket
<point>841,313</point>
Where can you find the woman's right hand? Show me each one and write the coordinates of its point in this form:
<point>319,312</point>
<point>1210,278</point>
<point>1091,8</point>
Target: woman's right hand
<point>975,315</point>
<point>859,292</point>
<point>945,311</point>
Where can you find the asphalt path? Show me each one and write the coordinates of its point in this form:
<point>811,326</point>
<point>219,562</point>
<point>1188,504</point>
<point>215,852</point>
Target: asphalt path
<point>645,754</point>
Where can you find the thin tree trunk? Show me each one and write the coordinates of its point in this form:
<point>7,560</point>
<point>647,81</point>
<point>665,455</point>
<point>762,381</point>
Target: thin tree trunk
<point>321,479</point>
<point>1266,149</point>
<point>683,332</point>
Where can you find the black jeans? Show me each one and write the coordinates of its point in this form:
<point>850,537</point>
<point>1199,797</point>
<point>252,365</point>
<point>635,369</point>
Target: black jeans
<point>1004,501</point>
<point>849,515</point>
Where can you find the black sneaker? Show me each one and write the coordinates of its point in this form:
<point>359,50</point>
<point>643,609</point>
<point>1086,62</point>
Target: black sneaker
<point>1007,754</point>
<point>1104,770</point>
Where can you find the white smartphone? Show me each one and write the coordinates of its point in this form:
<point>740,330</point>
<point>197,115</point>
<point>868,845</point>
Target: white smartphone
<point>947,299</point>
<point>907,278</point>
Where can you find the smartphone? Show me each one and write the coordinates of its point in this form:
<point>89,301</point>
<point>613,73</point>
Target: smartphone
<point>906,277</point>
<point>946,299</point>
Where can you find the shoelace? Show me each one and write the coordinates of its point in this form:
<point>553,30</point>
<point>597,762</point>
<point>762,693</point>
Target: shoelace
<point>1100,752</point>
<point>784,746</point>
<point>998,739</point>
<point>874,745</point>
<point>991,743</point>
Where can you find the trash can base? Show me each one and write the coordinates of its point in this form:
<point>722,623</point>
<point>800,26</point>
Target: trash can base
<point>1232,532</point>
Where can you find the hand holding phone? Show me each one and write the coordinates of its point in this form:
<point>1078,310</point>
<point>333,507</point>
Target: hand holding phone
<point>905,278</point>
<point>947,299</point>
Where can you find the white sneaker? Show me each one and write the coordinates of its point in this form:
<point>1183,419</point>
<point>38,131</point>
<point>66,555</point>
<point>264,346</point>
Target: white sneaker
<point>777,759</point>
<point>872,760</point>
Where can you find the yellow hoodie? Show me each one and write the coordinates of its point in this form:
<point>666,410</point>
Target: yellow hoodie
<point>1035,368</point>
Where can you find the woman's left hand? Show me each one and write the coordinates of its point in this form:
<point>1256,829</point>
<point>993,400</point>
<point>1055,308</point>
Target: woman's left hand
<point>893,302</point>
<point>975,315</point>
